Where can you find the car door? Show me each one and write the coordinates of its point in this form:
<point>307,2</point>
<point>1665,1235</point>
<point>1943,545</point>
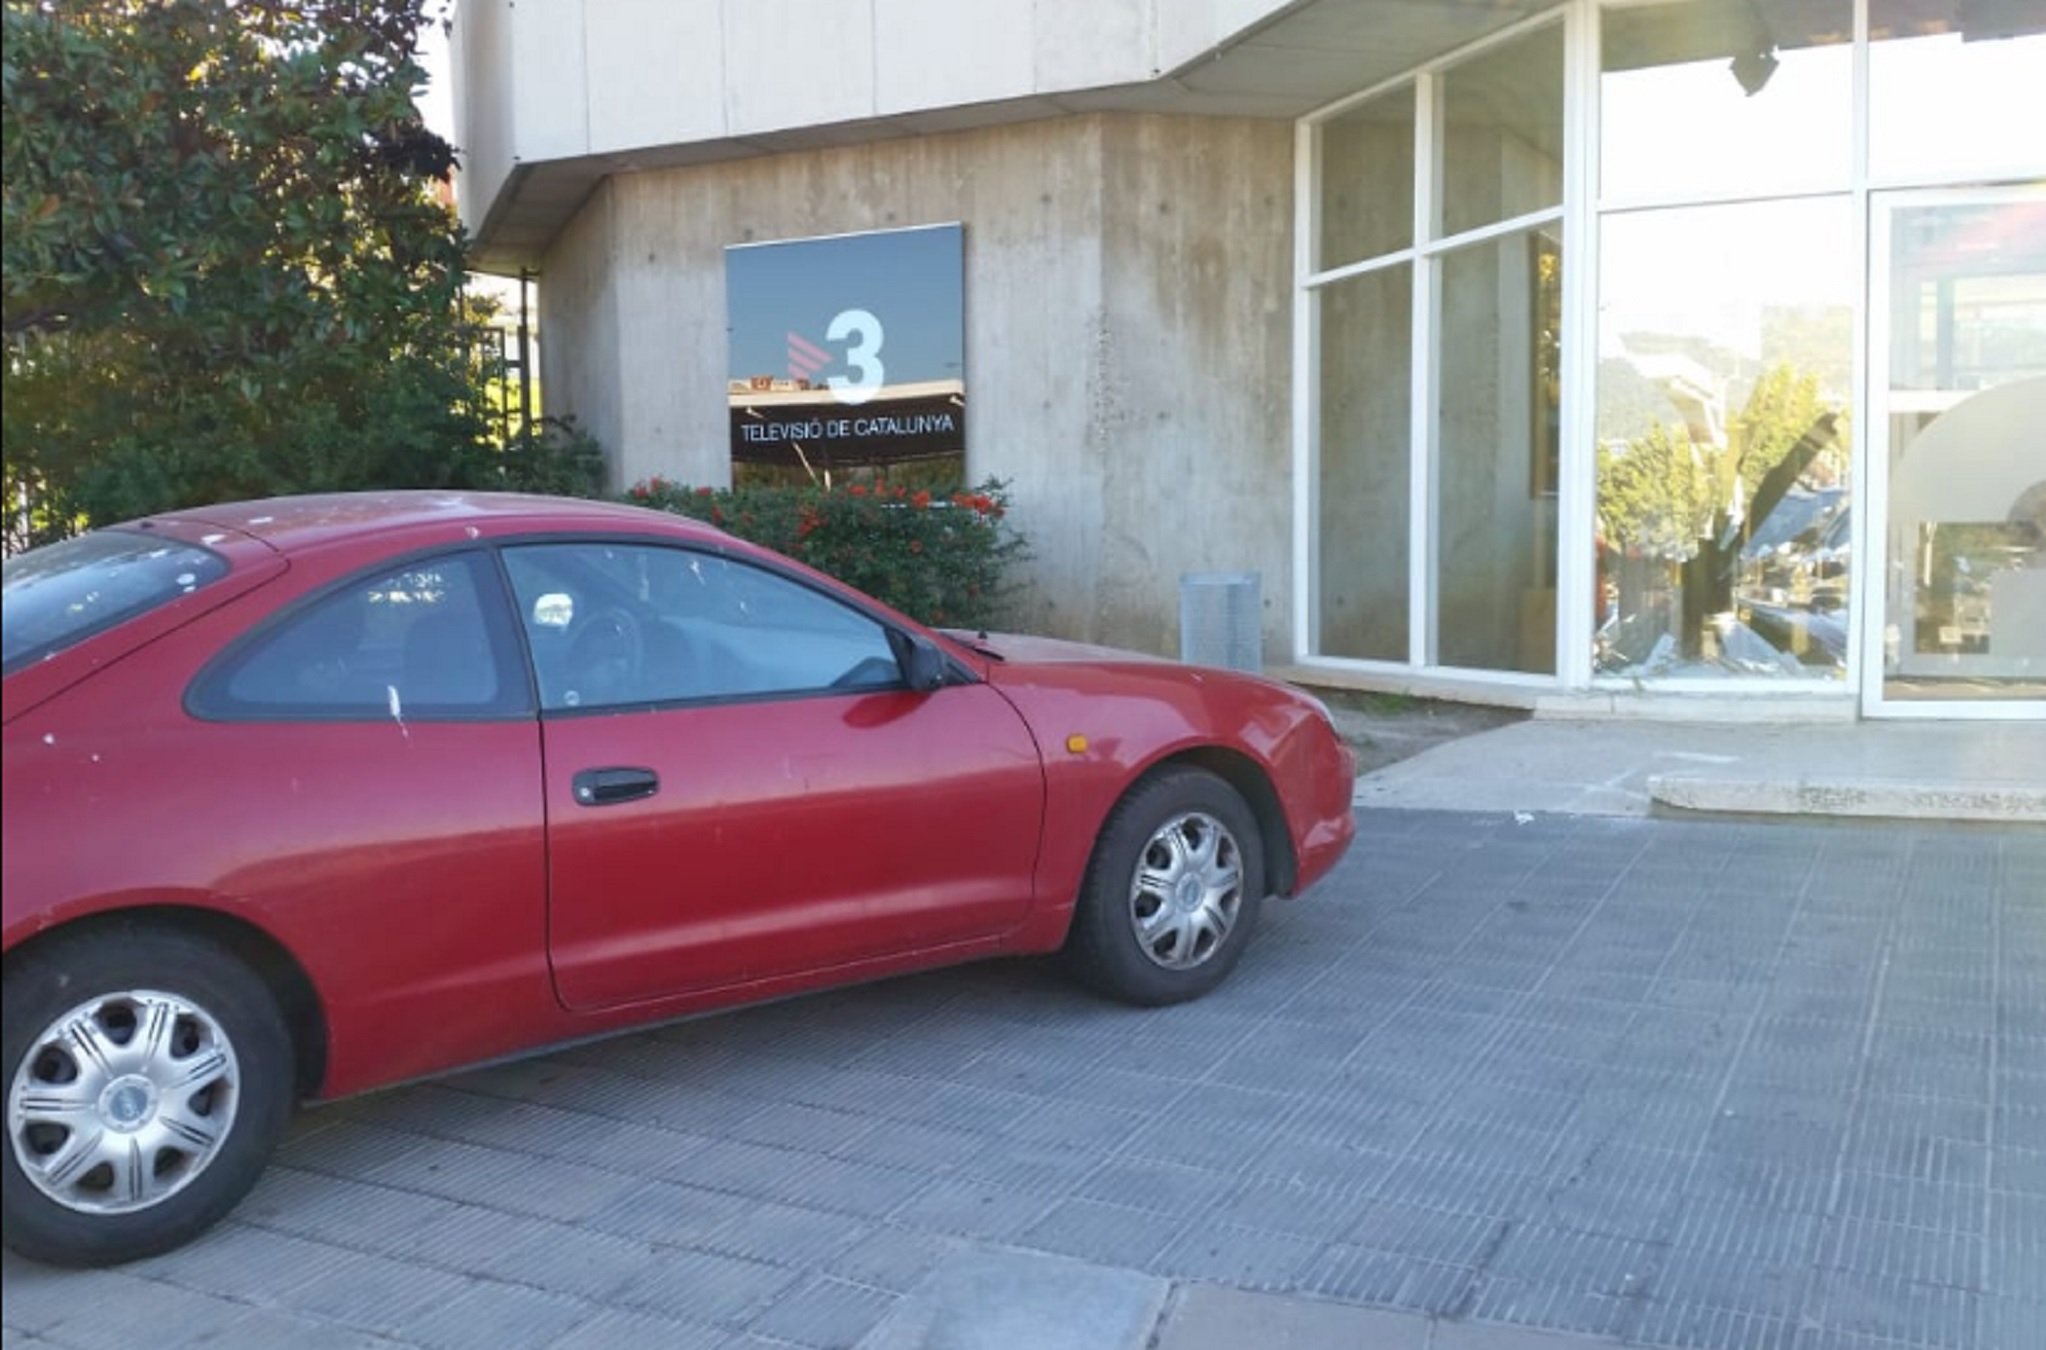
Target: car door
<point>363,769</point>
<point>739,785</point>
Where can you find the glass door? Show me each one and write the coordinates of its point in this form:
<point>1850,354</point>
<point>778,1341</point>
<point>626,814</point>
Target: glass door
<point>1957,395</point>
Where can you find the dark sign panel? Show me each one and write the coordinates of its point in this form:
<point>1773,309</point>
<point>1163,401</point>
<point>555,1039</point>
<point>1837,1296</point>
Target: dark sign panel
<point>847,352</point>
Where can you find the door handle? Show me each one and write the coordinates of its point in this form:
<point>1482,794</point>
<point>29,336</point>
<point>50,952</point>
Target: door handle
<point>608,787</point>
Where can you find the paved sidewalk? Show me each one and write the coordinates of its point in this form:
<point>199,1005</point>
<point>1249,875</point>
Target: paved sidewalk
<point>1982,771</point>
<point>1495,1086</point>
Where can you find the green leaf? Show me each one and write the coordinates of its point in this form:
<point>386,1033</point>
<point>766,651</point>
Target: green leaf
<point>214,283</point>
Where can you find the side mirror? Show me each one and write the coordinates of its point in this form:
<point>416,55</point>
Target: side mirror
<point>923,665</point>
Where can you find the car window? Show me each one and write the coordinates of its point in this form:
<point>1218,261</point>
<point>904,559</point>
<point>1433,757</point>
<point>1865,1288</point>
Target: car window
<point>417,642</point>
<point>61,594</point>
<point>626,624</point>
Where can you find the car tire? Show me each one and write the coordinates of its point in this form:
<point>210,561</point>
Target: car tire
<point>1179,856</point>
<point>173,1054</point>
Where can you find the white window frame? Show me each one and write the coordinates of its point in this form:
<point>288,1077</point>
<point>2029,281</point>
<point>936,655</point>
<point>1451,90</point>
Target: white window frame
<point>1851,185</point>
<point>1580,214</point>
<point>1872,535</point>
<point>1423,252</point>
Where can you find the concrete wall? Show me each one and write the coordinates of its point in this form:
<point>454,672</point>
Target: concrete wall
<point>1496,531</point>
<point>1364,431</point>
<point>481,51</point>
<point>1366,327</point>
<point>1127,338</point>
<point>1191,415</point>
<point>579,316</point>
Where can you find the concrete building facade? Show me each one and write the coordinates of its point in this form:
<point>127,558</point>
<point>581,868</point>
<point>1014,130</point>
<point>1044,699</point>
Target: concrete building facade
<point>1675,356</point>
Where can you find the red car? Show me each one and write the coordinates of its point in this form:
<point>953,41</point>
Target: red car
<point>312,795</point>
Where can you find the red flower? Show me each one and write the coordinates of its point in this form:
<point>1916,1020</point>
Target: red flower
<point>640,492</point>
<point>717,517</point>
<point>921,501</point>
<point>916,546</point>
<point>857,490</point>
<point>702,491</point>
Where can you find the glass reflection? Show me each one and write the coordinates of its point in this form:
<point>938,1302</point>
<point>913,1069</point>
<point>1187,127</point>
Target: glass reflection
<point>1709,97</point>
<point>1367,180</point>
<point>1725,372</point>
<point>1496,465</point>
<point>1502,143</point>
<point>1956,88</point>
<point>1366,355</point>
<point>1966,374</point>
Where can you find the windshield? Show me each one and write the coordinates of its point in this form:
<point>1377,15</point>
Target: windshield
<point>63,593</point>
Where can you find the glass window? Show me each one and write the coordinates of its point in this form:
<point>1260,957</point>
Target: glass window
<point>1497,434</point>
<point>627,624</point>
<point>1724,376</point>
<point>1709,97</point>
<point>1956,88</point>
<point>1367,180</point>
<point>416,643</point>
<point>1366,354</point>
<point>60,594</point>
<point>1502,141</point>
<point>1965,599</point>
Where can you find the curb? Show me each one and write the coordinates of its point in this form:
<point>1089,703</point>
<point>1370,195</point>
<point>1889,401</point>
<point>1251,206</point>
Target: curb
<point>1862,797</point>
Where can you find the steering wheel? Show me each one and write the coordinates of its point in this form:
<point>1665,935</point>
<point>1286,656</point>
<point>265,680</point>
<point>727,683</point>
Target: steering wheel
<point>606,655</point>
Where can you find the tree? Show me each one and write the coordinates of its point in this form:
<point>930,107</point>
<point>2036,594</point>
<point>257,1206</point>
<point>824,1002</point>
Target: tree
<point>1695,504</point>
<point>1783,408</point>
<point>227,270</point>
<point>1666,495</point>
<point>1654,493</point>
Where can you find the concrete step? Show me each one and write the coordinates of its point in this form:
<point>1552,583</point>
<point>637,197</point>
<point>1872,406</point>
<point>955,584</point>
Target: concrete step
<point>1960,771</point>
<point>1892,798</point>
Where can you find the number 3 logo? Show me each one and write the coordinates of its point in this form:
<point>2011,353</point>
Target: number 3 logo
<point>864,355</point>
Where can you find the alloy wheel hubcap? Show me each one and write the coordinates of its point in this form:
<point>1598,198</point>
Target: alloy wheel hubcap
<point>129,1103</point>
<point>121,1102</point>
<point>1187,890</point>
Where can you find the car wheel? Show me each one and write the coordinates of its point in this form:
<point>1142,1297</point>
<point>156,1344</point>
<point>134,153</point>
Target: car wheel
<point>149,1076</point>
<point>1172,892</point>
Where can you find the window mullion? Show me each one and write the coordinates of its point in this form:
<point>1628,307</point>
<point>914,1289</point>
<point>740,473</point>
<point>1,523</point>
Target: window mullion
<point>1306,626</point>
<point>1421,407</point>
<point>1577,457</point>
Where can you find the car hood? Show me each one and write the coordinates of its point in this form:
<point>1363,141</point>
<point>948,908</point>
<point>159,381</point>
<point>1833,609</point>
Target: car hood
<point>1023,649</point>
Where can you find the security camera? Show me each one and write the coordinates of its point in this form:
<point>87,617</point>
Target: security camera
<point>1753,69</point>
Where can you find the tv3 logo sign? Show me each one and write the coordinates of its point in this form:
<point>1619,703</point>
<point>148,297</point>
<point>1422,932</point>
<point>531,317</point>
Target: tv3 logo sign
<point>862,333</point>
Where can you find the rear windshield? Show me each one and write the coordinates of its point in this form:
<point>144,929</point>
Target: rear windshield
<point>63,593</point>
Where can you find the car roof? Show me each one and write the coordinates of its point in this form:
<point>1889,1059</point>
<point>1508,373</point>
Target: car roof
<point>298,524</point>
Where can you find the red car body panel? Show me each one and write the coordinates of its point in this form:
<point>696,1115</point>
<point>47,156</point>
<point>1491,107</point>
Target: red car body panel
<point>252,563</point>
<point>1134,713</point>
<point>408,866</point>
<point>836,829</point>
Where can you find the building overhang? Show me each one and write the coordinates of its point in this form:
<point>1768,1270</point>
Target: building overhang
<point>518,189</point>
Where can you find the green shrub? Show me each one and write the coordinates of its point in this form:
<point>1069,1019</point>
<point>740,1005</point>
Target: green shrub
<point>939,559</point>
<point>553,456</point>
